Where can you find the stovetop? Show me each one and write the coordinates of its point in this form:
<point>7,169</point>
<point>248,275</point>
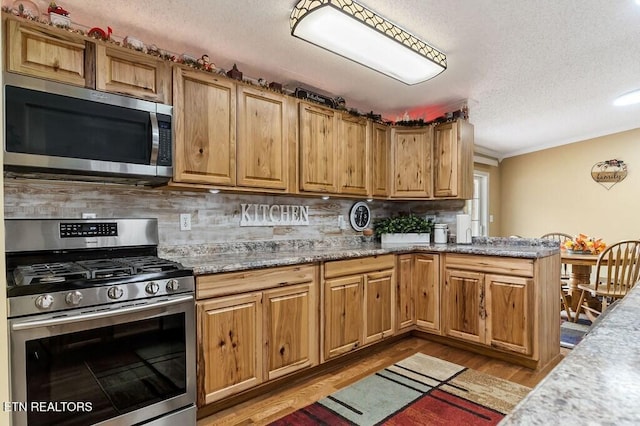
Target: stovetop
<point>60,272</point>
<point>63,264</point>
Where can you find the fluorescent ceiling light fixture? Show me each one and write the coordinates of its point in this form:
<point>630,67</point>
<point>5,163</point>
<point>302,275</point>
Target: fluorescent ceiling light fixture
<point>356,33</point>
<point>628,98</point>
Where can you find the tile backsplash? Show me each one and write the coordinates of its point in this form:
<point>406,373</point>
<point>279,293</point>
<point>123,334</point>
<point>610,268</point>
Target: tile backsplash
<point>215,218</point>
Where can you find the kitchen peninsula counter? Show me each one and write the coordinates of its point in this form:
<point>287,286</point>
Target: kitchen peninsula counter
<point>598,382</point>
<point>213,260</point>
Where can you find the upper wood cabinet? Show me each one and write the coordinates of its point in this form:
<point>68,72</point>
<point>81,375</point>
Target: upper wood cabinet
<point>128,72</point>
<point>318,149</point>
<point>411,162</point>
<point>263,139</point>
<point>205,128</point>
<point>353,160</point>
<point>59,55</point>
<point>48,53</point>
<point>453,160</point>
<point>380,159</point>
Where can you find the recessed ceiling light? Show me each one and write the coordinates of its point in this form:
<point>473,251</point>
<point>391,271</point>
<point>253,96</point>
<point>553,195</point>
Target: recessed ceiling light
<point>628,98</point>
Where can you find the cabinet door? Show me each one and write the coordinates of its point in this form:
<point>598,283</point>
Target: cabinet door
<point>56,54</point>
<point>464,305</point>
<point>318,154</point>
<point>412,162</point>
<point>406,313</point>
<point>381,154</point>
<point>204,109</point>
<point>229,339</point>
<point>291,329</point>
<point>426,278</point>
<point>379,303</point>
<point>509,313</point>
<point>353,142</point>
<point>343,314</point>
<point>445,173</point>
<point>453,160</point>
<point>132,73</point>
<point>262,146</point>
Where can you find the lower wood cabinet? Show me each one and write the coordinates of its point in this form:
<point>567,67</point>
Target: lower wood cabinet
<point>359,303</point>
<point>492,309</point>
<point>229,346</point>
<point>418,292</point>
<point>268,330</point>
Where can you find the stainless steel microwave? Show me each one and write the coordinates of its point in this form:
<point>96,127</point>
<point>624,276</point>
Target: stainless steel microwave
<point>54,130</point>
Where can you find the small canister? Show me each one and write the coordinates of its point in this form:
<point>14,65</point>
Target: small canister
<point>440,233</point>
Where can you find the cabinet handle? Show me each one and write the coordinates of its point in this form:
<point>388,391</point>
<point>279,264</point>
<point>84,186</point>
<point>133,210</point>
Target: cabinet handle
<point>483,312</point>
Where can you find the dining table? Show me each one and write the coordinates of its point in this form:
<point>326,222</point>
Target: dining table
<point>581,264</point>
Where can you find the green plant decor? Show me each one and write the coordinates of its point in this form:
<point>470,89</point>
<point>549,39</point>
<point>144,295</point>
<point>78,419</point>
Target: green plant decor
<point>402,225</point>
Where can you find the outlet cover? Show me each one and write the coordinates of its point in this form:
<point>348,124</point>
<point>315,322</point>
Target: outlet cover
<point>185,222</point>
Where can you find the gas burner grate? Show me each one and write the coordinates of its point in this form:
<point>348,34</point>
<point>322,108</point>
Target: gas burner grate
<point>151,264</point>
<point>49,273</point>
<point>106,268</point>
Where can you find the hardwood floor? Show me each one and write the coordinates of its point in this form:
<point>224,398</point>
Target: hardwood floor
<point>272,406</point>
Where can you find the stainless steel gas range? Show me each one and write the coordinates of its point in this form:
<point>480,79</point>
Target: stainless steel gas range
<point>102,330</point>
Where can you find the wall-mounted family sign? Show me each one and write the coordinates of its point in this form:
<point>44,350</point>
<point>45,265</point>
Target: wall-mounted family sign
<point>608,173</point>
<point>273,215</point>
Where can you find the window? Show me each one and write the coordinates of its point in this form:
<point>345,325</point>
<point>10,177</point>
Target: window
<point>478,206</point>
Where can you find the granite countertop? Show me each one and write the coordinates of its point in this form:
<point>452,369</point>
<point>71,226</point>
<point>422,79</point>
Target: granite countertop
<point>205,261</point>
<point>598,383</point>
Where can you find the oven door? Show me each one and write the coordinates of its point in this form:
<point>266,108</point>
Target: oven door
<point>123,365</point>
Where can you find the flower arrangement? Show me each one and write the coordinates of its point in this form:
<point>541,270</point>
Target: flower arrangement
<point>585,244</point>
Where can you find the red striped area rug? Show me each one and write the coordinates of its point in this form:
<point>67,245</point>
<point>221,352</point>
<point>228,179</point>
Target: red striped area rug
<point>419,390</point>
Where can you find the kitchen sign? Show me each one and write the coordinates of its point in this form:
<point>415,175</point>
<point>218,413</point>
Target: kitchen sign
<point>608,173</point>
<point>274,215</point>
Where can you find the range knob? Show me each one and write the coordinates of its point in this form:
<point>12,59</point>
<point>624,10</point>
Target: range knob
<point>115,292</point>
<point>73,298</point>
<point>173,285</point>
<point>152,287</point>
<point>45,301</point>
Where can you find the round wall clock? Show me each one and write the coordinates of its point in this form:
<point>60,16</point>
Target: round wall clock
<point>360,216</point>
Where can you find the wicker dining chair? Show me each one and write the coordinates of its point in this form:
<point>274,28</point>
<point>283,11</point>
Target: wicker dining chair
<point>561,237</point>
<point>617,271</point>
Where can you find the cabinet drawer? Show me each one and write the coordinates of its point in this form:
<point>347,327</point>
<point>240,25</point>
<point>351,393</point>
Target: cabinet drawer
<point>252,280</point>
<point>491,264</point>
<point>357,266</point>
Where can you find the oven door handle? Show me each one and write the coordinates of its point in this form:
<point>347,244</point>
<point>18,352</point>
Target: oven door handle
<point>98,315</point>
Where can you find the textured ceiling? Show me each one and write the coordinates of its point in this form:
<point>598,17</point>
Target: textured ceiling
<point>534,74</point>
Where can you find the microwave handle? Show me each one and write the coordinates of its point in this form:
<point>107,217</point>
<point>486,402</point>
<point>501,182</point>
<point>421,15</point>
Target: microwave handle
<point>155,139</point>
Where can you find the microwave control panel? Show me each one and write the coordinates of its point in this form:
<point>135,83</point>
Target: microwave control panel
<point>164,148</point>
